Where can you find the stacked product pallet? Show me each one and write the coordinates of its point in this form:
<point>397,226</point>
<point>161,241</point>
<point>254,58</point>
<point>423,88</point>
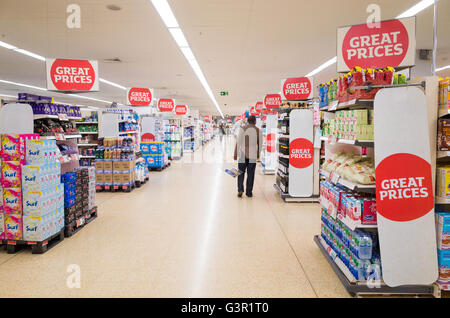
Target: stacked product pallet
<point>79,198</point>
<point>32,210</point>
<point>115,164</point>
<point>154,155</point>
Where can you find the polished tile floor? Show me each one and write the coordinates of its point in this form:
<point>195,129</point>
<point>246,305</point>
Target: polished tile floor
<point>184,234</point>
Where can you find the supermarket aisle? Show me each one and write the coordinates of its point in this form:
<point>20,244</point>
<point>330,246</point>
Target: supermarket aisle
<point>185,233</point>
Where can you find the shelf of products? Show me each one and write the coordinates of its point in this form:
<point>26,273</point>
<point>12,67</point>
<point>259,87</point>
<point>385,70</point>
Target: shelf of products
<point>173,139</point>
<point>442,198</point>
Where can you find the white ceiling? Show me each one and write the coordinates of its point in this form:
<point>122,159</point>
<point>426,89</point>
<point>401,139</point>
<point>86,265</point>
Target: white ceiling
<point>243,46</point>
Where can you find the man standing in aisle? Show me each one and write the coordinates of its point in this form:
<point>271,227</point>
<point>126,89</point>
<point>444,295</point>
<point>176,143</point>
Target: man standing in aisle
<point>247,150</point>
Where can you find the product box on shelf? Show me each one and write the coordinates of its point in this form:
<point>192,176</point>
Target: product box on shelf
<point>13,146</point>
<point>108,166</point>
<point>443,230</point>
<point>108,177</point>
<point>444,267</point>
<point>12,201</point>
<point>2,226</point>
<point>443,135</point>
<point>99,165</point>
<point>13,226</point>
<point>117,178</point>
<point>11,174</point>
<point>443,182</point>
<point>100,178</point>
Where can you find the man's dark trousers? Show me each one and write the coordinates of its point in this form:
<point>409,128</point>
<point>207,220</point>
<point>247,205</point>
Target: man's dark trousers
<point>250,168</point>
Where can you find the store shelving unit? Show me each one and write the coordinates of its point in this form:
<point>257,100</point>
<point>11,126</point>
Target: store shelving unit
<point>88,142</point>
<point>352,285</point>
<point>282,178</point>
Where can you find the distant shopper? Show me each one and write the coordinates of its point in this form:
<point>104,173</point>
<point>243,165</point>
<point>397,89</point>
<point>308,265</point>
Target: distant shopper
<point>248,148</point>
<point>221,131</point>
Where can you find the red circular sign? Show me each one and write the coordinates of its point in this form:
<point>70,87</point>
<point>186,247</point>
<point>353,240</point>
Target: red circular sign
<point>148,137</point>
<point>297,88</point>
<point>404,187</point>
<point>139,96</point>
<point>271,140</point>
<point>181,110</point>
<point>253,112</point>
<point>259,106</point>
<point>301,153</point>
<point>272,101</point>
<point>72,75</point>
<point>166,105</point>
<point>376,47</point>
<point>207,118</point>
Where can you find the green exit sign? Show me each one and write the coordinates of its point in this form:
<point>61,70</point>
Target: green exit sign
<point>223,93</point>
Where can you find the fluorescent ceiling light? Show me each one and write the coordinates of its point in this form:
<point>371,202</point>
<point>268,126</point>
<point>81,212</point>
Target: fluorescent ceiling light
<point>442,68</point>
<point>7,46</point>
<point>31,54</point>
<point>164,10</point>
<point>179,37</point>
<point>112,84</point>
<point>188,54</point>
<point>422,5</point>
<point>6,95</point>
<point>323,66</point>
<point>90,98</point>
<point>23,85</point>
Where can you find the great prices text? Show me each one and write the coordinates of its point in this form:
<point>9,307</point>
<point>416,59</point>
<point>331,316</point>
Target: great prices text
<point>403,188</point>
<point>79,75</point>
<point>297,89</point>
<point>375,45</point>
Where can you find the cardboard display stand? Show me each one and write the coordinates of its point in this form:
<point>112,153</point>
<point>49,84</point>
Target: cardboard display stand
<point>16,119</point>
<point>301,153</point>
<point>404,185</point>
<point>270,149</point>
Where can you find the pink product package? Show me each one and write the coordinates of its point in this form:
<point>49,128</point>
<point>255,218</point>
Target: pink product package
<point>13,227</point>
<point>11,174</point>
<point>2,226</point>
<point>13,146</point>
<point>12,201</point>
<point>369,212</point>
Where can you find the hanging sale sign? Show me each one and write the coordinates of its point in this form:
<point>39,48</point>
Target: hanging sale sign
<point>272,101</point>
<point>299,88</point>
<point>166,105</point>
<point>253,112</point>
<point>72,75</point>
<point>404,186</point>
<point>207,118</point>
<point>259,106</point>
<point>301,153</point>
<point>139,96</point>
<point>181,110</point>
<point>392,44</point>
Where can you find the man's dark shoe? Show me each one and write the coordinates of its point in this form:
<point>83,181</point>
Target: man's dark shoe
<point>240,194</point>
<point>249,195</point>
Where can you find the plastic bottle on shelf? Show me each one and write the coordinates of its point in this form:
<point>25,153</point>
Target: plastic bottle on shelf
<point>365,246</point>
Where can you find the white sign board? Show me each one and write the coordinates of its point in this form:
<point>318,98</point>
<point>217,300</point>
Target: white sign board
<point>393,43</point>
<point>301,153</point>
<point>405,204</point>
<point>270,149</point>
<point>72,75</point>
<point>16,118</point>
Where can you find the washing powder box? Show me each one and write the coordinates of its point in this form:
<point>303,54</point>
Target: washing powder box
<point>13,226</point>
<point>12,200</point>
<point>11,174</point>
<point>13,146</point>
<point>2,226</point>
